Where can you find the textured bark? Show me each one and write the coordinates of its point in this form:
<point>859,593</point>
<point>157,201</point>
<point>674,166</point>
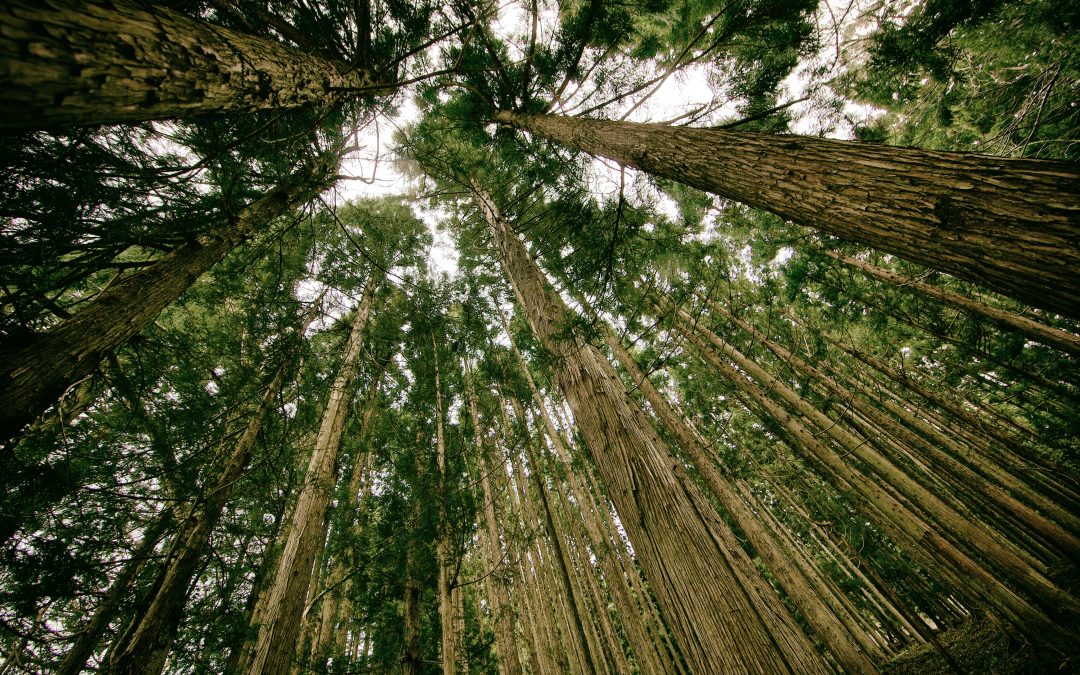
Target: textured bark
<point>443,556</point>
<point>67,63</point>
<point>568,575</point>
<point>280,625</point>
<point>796,580</point>
<point>637,619</point>
<point>1012,225</point>
<point>953,524</point>
<point>79,653</point>
<point>1039,332</point>
<point>672,528</point>
<point>897,516</point>
<point>34,376</point>
<point>337,607</point>
<point>986,480</point>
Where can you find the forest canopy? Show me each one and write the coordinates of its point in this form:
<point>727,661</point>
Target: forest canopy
<point>636,336</point>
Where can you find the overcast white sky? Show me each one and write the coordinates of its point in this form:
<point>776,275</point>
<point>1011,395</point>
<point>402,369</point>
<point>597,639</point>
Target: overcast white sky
<point>678,94</point>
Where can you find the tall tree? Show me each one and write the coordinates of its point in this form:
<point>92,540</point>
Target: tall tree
<point>82,63</point>
<point>279,626</point>
<point>39,372</point>
<point>1008,224</point>
<point>668,521</point>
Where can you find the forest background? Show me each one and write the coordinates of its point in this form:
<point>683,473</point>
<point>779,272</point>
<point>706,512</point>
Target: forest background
<point>372,336</point>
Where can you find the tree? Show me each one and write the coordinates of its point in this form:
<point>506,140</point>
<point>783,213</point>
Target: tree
<point>650,497</point>
<point>38,373</point>
<point>1007,224</point>
<point>81,63</point>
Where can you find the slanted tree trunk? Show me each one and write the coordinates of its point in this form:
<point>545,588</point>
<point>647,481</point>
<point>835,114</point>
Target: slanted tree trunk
<point>151,634</point>
<point>1039,332</point>
<point>674,531</point>
<point>900,516</point>
<point>337,608</point>
<point>69,63</point>
<point>798,582</point>
<point>79,653</point>
<point>1011,225</point>
<point>637,618</point>
<point>34,376</point>
<point>280,624</point>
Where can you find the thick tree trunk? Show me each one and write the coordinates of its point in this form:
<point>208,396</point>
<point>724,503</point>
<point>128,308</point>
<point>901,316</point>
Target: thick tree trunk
<point>637,618</point>
<point>280,625</point>
<point>898,516</point>
<point>796,580</point>
<point>34,376</point>
<point>1011,225</point>
<point>67,63</point>
<point>672,528</point>
<point>1040,332</point>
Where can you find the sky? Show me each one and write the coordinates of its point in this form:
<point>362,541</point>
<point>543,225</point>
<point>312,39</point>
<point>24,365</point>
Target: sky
<point>371,171</point>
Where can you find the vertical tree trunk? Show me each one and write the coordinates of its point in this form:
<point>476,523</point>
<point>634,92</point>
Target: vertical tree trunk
<point>337,608</point>
<point>442,543</point>
<point>72,62</point>
<point>1012,225</point>
<point>501,607</point>
<point>279,626</point>
<point>34,376</point>
<point>673,530</point>
<point>588,642</point>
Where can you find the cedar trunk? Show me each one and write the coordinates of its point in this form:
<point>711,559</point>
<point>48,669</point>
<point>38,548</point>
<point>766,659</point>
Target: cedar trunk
<point>1011,225</point>
<point>671,526</point>
<point>34,376</point>
<point>68,63</point>
<point>279,628</point>
<point>151,635</point>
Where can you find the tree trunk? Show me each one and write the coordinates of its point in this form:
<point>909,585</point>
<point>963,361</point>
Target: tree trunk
<point>34,376</point>
<point>280,625</point>
<point>579,613</point>
<point>501,607</point>
<point>796,581</point>
<point>70,63</point>
<point>442,543</point>
<point>1011,225</point>
<point>637,619</point>
<point>672,528</point>
<point>337,608</point>
<point>1039,332</point>
<point>151,635</point>
<point>897,516</point>
<point>79,653</point>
